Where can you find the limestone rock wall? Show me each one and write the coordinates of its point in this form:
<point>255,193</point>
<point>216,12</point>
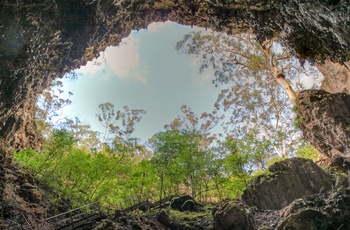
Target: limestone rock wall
<point>297,194</point>
<point>44,39</point>
<point>324,119</point>
<point>336,77</point>
<point>289,180</point>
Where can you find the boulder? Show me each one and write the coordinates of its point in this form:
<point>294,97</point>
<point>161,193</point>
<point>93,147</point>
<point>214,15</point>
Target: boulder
<point>164,218</point>
<point>189,205</point>
<point>233,215</point>
<point>288,180</point>
<point>182,203</point>
<point>329,210</point>
<point>336,76</point>
<point>325,121</point>
<point>145,206</point>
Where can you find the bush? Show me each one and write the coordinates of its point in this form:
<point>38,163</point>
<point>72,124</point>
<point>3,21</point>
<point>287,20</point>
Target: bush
<point>308,151</point>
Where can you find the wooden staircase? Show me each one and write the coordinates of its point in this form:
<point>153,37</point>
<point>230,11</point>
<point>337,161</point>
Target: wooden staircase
<point>88,214</point>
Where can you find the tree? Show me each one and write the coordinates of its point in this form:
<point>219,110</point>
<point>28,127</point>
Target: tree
<point>47,106</point>
<point>107,119</point>
<point>166,147</point>
<point>191,122</point>
<point>257,147</point>
<point>261,105</point>
<point>127,119</point>
<point>242,58</point>
<point>82,133</point>
<point>182,163</point>
<point>78,174</point>
<point>255,73</point>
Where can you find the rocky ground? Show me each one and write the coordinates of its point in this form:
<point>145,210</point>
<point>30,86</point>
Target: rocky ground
<point>297,194</point>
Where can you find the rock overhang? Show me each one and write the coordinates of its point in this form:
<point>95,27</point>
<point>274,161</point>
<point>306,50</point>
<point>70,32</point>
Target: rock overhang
<point>46,39</point>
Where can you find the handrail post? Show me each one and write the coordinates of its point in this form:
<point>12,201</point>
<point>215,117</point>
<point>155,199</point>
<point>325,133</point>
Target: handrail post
<point>71,219</point>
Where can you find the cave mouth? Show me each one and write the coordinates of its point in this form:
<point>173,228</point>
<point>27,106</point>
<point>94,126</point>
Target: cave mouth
<point>57,37</point>
<point>126,75</point>
<point>144,72</point>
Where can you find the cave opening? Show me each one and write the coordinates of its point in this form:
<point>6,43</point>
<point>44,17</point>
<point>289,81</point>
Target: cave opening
<point>59,36</point>
<point>144,71</point>
<point>253,91</point>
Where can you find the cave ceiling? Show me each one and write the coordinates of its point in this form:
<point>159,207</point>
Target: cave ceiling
<point>45,39</point>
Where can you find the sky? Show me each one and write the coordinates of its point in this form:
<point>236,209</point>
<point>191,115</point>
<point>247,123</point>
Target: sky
<point>144,72</point>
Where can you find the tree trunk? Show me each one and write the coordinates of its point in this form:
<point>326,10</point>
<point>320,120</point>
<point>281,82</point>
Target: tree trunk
<point>287,87</point>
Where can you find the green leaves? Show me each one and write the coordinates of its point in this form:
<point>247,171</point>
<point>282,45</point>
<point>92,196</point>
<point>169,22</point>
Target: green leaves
<point>308,151</point>
<point>80,176</point>
<point>254,97</point>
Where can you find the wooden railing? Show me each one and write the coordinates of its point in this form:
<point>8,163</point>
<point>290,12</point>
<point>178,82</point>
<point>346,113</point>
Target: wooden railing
<point>83,215</point>
<point>76,217</point>
<point>133,200</point>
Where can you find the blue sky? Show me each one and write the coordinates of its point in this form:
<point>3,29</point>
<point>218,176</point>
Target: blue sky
<point>144,72</point>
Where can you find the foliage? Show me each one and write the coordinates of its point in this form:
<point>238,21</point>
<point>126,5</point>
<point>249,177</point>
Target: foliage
<point>82,133</point>
<point>48,105</point>
<point>274,160</point>
<point>79,175</point>
<point>127,119</point>
<point>242,58</point>
<point>255,73</point>
<point>308,151</point>
<point>187,156</point>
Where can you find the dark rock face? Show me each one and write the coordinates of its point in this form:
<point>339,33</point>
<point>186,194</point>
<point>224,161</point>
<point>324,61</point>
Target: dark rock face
<point>189,205</point>
<point>164,218</point>
<point>336,77</point>
<point>233,215</point>
<point>320,212</point>
<point>321,16</point>
<point>325,121</point>
<point>43,40</point>
<point>183,203</point>
<point>289,179</point>
<point>324,210</point>
<point>20,196</point>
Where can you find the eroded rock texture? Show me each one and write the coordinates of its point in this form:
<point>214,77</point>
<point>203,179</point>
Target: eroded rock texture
<point>289,179</point>
<point>233,214</point>
<point>325,121</point>
<point>302,194</point>
<point>336,77</point>
<point>44,39</point>
<point>21,201</point>
<point>320,211</point>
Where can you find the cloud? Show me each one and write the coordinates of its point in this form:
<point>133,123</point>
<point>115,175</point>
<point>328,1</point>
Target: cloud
<point>156,26</point>
<point>93,66</point>
<point>123,60</point>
